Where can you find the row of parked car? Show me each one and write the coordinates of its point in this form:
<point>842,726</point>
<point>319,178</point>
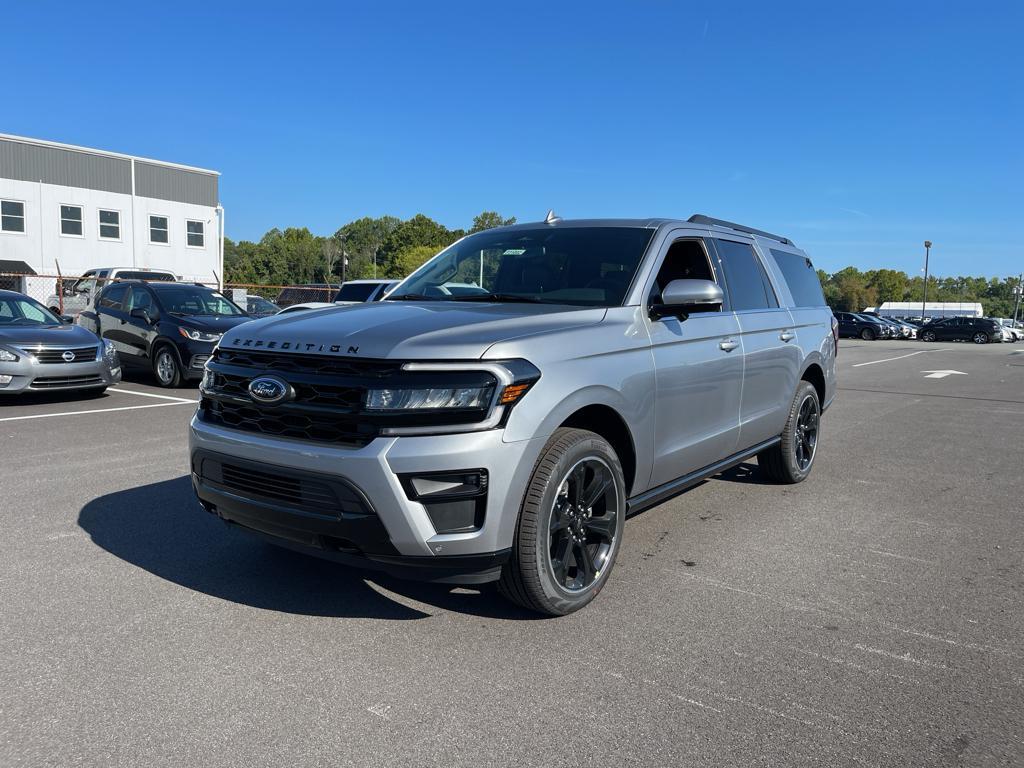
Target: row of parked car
<point>979,330</point>
<point>143,321</point>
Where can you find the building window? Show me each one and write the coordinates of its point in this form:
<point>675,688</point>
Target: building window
<point>12,216</point>
<point>195,234</point>
<point>71,220</point>
<point>110,225</point>
<point>158,229</point>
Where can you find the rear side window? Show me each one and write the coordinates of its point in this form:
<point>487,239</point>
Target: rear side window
<point>355,291</point>
<point>113,297</point>
<point>801,278</point>
<point>747,281</point>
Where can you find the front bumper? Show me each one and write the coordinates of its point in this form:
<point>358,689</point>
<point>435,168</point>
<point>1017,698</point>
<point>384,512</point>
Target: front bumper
<point>28,375</point>
<point>389,531</point>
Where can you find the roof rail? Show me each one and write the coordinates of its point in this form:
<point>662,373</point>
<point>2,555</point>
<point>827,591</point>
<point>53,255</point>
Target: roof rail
<point>700,218</point>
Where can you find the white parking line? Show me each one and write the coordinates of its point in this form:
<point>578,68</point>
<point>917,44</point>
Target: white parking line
<point>150,394</point>
<point>96,410</point>
<point>890,359</point>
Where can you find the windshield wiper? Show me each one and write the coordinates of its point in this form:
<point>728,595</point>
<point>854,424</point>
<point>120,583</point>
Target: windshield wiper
<point>499,297</point>
<point>412,297</point>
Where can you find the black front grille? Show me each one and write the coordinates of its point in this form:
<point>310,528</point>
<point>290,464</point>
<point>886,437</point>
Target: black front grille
<point>288,422</point>
<point>328,396</point>
<point>54,356</point>
<point>55,382</point>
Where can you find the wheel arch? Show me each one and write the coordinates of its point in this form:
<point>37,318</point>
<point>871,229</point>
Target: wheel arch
<point>815,374</point>
<point>609,424</point>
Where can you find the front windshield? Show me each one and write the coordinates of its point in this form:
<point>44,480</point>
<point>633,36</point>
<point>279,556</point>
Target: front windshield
<point>583,266</point>
<point>193,300</point>
<point>24,311</point>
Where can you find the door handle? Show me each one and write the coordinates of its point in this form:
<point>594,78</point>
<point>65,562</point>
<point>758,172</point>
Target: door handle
<point>787,335</point>
<point>728,345</point>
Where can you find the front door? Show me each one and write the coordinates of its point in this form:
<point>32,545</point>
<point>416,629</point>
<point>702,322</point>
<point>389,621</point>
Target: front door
<point>771,358</point>
<point>698,371</point>
<point>111,318</point>
<point>138,332</point>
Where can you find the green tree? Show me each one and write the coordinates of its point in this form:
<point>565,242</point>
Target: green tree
<point>417,231</point>
<point>489,220</point>
<point>362,240</point>
<point>406,261</point>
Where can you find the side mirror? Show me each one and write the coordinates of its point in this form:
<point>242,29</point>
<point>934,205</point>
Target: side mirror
<point>143,314</point>
<point>681,297</point>
<point>67,319</point>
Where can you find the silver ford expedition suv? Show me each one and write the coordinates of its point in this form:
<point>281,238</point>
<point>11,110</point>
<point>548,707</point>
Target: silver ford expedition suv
<point>502,411</point>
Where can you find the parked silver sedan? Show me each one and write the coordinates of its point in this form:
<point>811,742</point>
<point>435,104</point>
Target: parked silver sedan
<point>40,351</point>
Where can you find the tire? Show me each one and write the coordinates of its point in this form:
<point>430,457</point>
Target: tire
<point>867,334</point>
<point>792,460</point>
<point>556,524</point>
<point>166,368</point>
<point>980,338</point>
<point>928,336</point>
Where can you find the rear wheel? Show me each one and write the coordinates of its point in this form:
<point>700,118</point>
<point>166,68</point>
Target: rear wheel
<point>928,336</point>
<point>570,525</point>
<point>166,368</point>
<point>791,460</point>
<point>980,338</point>
<point>867,334</point>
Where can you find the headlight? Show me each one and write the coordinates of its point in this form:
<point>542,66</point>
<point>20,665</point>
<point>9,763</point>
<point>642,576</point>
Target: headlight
<point>429,398</point>
<point>109,348</point>
<point>196,335</point>
<point>7,357</point>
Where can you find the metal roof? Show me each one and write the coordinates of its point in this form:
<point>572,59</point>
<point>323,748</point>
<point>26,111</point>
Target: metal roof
<point>104,153</point>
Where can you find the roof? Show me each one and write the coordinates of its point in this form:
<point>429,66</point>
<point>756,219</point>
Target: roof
<point>931,305</point>
<point>15,268</point>
<point>105,153</point>
<point>697,220</point>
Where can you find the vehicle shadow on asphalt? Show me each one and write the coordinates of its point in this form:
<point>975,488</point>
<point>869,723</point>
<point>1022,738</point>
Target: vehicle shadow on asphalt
<point>746,473</point>
<point>162,529</point>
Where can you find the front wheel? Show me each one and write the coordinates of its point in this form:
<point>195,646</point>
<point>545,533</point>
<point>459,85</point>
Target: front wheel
<point>928,336</point>
<point>791,460</point>
<point>980,338</point>
<point>570,525</point>
<point>166,368</point>
<point>867,334</point>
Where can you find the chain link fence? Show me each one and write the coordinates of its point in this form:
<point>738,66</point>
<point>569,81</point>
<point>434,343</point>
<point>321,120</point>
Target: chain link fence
<point>70,294</point>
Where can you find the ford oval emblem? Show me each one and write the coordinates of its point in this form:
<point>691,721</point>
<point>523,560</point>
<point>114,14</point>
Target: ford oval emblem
<point>268,390</point>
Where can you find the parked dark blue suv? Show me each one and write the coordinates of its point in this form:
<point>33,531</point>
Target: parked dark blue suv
<point>167,328</point>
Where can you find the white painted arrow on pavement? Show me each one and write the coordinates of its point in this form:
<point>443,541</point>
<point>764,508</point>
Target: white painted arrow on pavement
<point>942,374</point>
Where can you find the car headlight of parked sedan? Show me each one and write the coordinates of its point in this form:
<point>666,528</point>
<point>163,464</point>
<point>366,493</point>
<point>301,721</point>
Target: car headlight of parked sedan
<point>6,356</point>
<point>196,335</point>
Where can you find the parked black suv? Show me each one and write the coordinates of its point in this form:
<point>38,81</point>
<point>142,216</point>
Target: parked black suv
<point>980,330</point>
<point>863,326</point>
<point>167,328</point>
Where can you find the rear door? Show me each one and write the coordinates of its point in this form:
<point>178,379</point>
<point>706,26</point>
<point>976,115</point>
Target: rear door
<point>138,333</point>
<point>771,361</point>
<point>111,318</point>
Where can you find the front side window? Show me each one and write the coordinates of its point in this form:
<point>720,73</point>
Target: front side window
<point>140,299</point>
<point>580,266</point>
<point>158,229</point>
<point>18,310</point>
<point>193,300</point>
<point>12,216</point>
<point>748,284</point>
<point>71,220</point>
<point>195,234</point>
<point>685,260</point>
<point>110,225</point>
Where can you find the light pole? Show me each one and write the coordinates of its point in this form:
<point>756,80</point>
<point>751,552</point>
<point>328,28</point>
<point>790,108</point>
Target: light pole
<point>924,297</point>
<point>1018,290</point>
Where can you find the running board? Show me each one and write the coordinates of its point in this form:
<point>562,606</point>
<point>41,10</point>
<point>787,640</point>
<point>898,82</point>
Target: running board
<point>666,491</point>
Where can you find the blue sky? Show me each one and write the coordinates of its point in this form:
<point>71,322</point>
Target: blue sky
<point>858,129</point>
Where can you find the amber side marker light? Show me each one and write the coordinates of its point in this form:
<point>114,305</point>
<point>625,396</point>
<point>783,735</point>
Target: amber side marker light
<point>512,393</point>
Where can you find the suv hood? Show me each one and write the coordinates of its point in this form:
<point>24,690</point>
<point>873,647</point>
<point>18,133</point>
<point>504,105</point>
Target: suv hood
<point>46,335</point>
<point>446,330</point>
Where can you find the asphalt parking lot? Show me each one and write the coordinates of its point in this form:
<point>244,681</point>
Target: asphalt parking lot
<point>872,615</point>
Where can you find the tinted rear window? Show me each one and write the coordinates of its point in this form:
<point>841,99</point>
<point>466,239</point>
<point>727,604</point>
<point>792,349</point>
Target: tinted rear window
<point>139,275</point>
<point>355,291</point>
<point>748,284</point>
<point>801,278</point>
